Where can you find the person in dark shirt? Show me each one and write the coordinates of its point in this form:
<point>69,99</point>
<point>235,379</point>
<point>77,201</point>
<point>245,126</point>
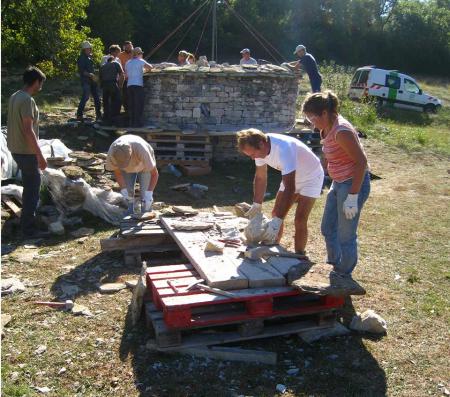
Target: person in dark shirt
<point>85,65</point>
<point>110,75</point>
<point>309,65</point>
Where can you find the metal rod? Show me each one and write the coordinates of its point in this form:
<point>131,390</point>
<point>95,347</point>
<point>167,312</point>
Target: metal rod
<point>214,31</point>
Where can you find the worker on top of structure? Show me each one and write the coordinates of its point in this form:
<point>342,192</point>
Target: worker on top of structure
<point>124,57</point>
<point>309,65</point>
<point>113,51</point>
<point>183,58</point>
<point>246,58</point>
<point>302,179</point>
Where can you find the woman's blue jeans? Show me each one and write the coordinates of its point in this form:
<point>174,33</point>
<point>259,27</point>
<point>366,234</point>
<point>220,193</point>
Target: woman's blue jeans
<point>340,233</point>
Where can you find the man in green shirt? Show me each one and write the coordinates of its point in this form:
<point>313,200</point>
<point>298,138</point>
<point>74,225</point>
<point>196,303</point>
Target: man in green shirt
<point>23,142</point>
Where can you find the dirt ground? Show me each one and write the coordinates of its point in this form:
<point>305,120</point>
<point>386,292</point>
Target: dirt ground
<point>404,255</point>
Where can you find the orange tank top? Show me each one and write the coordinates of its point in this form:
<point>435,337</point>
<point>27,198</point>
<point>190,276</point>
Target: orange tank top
<point>341,167</point>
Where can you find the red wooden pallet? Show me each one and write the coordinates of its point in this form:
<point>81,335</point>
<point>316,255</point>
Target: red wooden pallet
<point>195,308</point>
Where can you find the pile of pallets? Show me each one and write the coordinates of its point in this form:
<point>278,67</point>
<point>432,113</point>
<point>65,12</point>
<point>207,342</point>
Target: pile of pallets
<point>174,311</point>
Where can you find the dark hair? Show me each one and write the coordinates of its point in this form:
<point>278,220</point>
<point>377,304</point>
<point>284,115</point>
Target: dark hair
<point>31,74</point>
<point>319,102</point>
<point>127,42</point>
<point>113,48</point>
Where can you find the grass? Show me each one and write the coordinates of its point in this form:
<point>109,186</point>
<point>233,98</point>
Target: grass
<point>404,231</point>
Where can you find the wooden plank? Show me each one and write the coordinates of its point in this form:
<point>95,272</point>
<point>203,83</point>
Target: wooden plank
<point>169,268</point>
<point>218,270</point>
<point>11,205</point>
<point>136,242</point>
<point>179,282</point>
<point>230,354</point>
<point>170,276</point>
<point>192,300</point>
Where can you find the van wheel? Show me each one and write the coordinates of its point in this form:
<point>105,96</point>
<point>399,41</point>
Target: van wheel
<point>429,108</point>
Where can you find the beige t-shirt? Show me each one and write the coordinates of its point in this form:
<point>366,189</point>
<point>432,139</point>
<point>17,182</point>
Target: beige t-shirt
<point>142,155</point>
<point>21,105</point>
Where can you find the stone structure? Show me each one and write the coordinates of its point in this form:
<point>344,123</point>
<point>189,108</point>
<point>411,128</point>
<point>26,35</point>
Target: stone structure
<point>221,97</point>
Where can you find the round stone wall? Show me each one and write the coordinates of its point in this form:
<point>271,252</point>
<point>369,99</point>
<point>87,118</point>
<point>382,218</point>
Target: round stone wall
<point>221,98</point>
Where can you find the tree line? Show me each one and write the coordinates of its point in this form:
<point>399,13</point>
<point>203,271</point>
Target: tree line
<point>408,35</point>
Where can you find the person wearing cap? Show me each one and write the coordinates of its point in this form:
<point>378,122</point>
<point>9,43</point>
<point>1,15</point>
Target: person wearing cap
<point>183,58</point>
<point>309,65</point>
<point>134,71</point>
<point>190,59</point>
<point>124,57</point>
<point>246,58</point>
<point>130,157</point>
<point>85,65</point>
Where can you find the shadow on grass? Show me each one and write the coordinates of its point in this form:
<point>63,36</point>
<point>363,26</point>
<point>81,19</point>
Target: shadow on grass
<point>336,367</point>
<point>408,117</point>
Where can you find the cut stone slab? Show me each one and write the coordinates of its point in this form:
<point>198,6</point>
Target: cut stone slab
<point>82,232</point>
<point>369,321</point>
<point>191,225</point>
<point>241,208</point>
<point>11,286</point>
<point>184,210</point>
<point>214,246</point>
<point>80,310</point>
<point>26,256</point>
<point>131,283</point>
<point>321,279</point>
<point>315,334</point>
<point>73,171</point>
<point>111,288</point>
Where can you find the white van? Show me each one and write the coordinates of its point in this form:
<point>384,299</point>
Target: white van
<point>391,88</point>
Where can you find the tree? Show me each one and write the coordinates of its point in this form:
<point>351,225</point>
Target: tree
<point>45,32</point>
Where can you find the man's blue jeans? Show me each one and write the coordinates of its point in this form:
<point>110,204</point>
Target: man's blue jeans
<point>130,181</point>
<point>340,232</point>
<point>89,88</point>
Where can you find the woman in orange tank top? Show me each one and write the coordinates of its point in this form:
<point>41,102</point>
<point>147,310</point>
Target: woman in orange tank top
<point>346,163</point>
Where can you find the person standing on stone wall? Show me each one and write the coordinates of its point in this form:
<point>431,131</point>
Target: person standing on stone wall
<point>111,74</point>
<point>23,142</point>
<point>309,65</point>
<point>113,51</point>
<point>183,58</point>
<point>302,179</point>
<point>246,58</point>
<point>85,65</point>
<point>124,57</point>
<point>134,71</point>
<point>130,157</point>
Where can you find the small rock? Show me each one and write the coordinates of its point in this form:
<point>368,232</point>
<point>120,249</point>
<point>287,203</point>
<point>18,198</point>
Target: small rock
<point>397,277</point>
<point>40,349</point>
<point>131,283</point>
<point>114,381</point>
<point>82,232</point>
<point>446,391</point>
<point>82,240</point>
<point>14,376</point>
<point>56,228</point>
<point>43,390</point>
<point>5,319</point>
<point>26,256</point>
<point>111,288</point>
<point>11,285</point>
<point>293,371</point>
<point>62,370</point>
<point>79,310</point>
<point>280,388</point>
<point>369,321</point>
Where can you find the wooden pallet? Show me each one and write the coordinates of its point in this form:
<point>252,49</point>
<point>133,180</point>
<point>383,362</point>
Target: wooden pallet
<point>171,339</point>
<point>194,308</point>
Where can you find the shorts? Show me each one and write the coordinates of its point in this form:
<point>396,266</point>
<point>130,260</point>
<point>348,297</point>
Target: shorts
<point>312,187</point>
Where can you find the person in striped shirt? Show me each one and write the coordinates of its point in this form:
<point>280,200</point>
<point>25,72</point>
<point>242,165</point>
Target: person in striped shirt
<point>346,163</point>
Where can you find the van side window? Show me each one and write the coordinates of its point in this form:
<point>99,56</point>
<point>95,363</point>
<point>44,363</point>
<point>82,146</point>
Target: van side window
<point>411,87</point>
<point>364,77</point>
<point>393,82</point>
<point>356,77</point>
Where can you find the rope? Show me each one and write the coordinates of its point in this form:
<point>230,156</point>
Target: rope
<point>174,31</point>
<point>248,26</point>
<point>187,31</point>
<point>203,30</point>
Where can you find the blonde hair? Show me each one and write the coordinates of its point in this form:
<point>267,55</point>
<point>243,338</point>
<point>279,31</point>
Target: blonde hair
<point>318,102</point>
<point>250,137</point>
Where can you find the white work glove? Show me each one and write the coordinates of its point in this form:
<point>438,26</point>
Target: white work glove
<point>254,210</point>
<point>148,199</point>
<point>272,230</point>
<point>351,206</point>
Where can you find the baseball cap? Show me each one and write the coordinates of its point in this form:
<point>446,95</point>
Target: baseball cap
<point>137,51</point>
<point>184,53</point>
<point>299,48</point>
<point>86,44</point>
<point>245,50</point>
<point>121,154</point>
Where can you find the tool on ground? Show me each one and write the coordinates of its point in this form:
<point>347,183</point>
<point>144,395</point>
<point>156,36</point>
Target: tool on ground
<point>259,252</point>
<point>193,284</point>
<point>67,305</point>
<point>198,284</point>
<point>231,242</point>
<point>172,285</point>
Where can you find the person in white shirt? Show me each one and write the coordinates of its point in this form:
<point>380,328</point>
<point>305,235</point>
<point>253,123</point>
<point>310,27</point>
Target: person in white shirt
<point>134,71</point>
<point>246,58</point>
<point>131,157</point>
<point>302,180</point>
<point>114,51</point>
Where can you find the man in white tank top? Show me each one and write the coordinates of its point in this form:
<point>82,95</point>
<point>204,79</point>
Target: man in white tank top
<point>302,179</point>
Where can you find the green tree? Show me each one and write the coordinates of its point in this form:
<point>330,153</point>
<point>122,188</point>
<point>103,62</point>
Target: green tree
<point>45,32</point>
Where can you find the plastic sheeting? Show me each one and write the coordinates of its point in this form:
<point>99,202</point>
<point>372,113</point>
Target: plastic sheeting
<point>71,195</point>
<point>9,166</point>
